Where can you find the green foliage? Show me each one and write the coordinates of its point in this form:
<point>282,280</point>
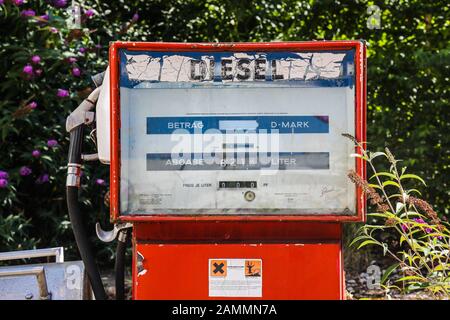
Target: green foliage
<point>66,60</point>
<point>13,233</point>
<point>408,71</point>
<point>424,240</point>
<point>408,80</point>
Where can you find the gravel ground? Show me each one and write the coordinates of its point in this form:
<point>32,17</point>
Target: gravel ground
<point>360,286</point>
<point>108,280</point>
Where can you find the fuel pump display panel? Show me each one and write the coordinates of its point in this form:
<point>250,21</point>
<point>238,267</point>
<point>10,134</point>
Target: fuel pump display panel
<point>232,133</point>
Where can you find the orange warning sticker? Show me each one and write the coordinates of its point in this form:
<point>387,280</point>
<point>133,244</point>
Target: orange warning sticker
<point>235,277</point>
<point>218,268</point>
<point>253,268</point>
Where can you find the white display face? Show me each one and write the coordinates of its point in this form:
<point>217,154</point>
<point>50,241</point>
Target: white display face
<point>265,142</point>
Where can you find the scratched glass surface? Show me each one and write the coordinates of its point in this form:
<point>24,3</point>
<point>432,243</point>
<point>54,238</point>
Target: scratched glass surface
<point>162,69</point>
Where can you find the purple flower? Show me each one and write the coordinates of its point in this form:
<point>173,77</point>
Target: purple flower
<point>3,183</point>
<point>62,93</point>
<point>2,2</point>
<point>4,174</point>
<point>135,17</point>
<point>36,59</point>
<point>72,60</point>
<point>24,171</point>
<point>404,227</point>
<point>38,72</point>
<point>3,179</point>
<point>421,221</point>
<point>89,13</point>
<point>44,17</point>
<point>28,13</point>
<point>76,72</point>
<point>60,3</point>
<point>36,153</point>
<point>100,182</point>
<point>53,30</point>
<point>18,2</point>
<point>28,69</point>
<point>32,105</point>
<point>52,143</point>
<point>82,50</point>
<point>43,178</point>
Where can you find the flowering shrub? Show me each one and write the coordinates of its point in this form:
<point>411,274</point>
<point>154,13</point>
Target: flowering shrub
<point>423,255</point>
<point>45,68</point>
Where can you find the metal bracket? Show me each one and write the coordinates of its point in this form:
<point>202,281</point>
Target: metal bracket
<point>108,236</point>
<point>38,271</point>
<point>57,252</point>
<point>90,157</point>
<point>73,175</point>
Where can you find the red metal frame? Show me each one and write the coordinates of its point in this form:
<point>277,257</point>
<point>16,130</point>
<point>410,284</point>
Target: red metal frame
<point>360,119</point>
<point>236,231</point>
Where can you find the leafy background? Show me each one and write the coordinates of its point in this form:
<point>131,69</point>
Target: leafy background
<point>408,81</point>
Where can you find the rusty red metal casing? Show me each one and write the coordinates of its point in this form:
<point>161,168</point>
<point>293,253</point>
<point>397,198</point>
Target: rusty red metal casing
<point>302,255</point>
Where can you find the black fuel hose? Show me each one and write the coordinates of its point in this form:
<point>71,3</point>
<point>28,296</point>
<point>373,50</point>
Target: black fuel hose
<point>76,218</point>
<point>119,266</point>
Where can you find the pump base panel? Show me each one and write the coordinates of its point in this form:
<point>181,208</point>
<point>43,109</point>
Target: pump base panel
<point>184,268</point>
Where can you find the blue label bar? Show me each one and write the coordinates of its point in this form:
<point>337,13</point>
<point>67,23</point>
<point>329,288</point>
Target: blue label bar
<point>238,161</point>
<point>238,124</point>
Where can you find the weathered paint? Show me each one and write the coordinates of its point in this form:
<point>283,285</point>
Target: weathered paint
<point>239,66</point>
<point>292,271</point>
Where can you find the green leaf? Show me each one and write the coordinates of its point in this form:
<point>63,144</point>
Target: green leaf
<point>385,215</point>
<point>410,214</point>
<point>375,186</point>
<point>367,242</point>
<point>409,278</point>
<point>47,158</point>
<point>399,206</point>
<point>388,272</point>
<point>387,174</point>
<point>357,155</point>
<point>441,267</point>
<point>414,190</point>
<point>357,240</point>
<point>385,248</point>
<point>412,176</point>
<point>402,239</point>
<point>391,183</point>
<point>373,155</point>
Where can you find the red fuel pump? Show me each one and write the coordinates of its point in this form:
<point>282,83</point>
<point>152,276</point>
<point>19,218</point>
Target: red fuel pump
<point>228,161</point>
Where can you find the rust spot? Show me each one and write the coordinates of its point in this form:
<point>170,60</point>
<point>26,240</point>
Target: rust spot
<point>140,264</point>
<point>228,45</point>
